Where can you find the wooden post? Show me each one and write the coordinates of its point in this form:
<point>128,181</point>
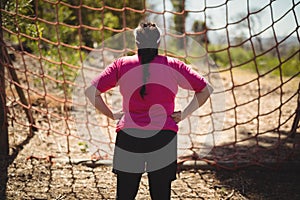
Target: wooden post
<point>3,112</point>
<point>297,117</point>
<point>4,147</point>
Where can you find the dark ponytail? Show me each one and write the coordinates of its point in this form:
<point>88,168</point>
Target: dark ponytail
<point>147,38</point>
<point>147,55</point>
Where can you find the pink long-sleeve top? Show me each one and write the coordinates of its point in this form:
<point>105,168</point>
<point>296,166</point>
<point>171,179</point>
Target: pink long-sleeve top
<point>153,112</point>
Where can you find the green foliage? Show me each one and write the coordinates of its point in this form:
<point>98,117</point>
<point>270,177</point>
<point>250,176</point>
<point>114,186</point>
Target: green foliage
<point>291,66</point>
<point>59,25</point>
<point>55,31</point>
<point>14,21</point>
<point>267,63</point>
<point>83,146</point>
<point>71,25</point>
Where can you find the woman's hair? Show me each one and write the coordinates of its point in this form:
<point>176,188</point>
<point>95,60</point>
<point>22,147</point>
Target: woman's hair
<point>147,37</point>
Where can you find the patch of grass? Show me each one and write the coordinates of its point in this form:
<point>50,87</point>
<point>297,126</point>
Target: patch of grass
<point>268,63</point>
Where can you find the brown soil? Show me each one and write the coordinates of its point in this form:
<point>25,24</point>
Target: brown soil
<point>39,179</point>
<point>34,174</point>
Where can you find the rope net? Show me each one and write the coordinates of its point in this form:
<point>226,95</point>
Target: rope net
<point>52,49</point>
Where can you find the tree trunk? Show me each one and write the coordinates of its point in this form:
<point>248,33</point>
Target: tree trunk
<point>4,148</point>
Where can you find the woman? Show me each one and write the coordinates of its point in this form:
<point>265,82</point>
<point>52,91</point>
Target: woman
<point>146,132</point>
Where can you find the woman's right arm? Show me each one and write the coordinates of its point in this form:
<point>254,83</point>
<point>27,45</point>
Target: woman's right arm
<point>96,99</point>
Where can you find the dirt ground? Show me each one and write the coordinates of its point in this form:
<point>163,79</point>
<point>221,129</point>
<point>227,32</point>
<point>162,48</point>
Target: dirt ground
<point>31,175</point>
<point>40,179</point>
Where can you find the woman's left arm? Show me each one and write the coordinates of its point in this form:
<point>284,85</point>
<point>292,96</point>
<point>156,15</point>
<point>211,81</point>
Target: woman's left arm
<point>198,100</point>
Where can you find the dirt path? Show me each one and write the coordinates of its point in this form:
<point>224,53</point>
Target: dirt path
<point>39,179</point>
<point>36,178</point>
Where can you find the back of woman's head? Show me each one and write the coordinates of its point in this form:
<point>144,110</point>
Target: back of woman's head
<point>147,35</point>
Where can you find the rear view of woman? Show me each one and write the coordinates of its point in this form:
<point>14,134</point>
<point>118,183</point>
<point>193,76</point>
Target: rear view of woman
<point>147,127</point>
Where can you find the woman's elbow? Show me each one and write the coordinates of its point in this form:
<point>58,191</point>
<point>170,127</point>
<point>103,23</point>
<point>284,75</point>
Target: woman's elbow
<point>90,92</point>
<point>206,92</point>
<point>210,89</point>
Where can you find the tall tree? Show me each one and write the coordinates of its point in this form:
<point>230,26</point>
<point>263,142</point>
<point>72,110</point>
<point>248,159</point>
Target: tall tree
<point>4,146</point>
<point>101,15</point>
<point>254,21</point>
<point>179,20</point>
<point>200,28</point>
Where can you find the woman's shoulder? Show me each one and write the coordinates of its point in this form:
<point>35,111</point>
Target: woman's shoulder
<point>128,58</point>
<point>134,60</point>
<point>173,62</point>
<point>124,60</point>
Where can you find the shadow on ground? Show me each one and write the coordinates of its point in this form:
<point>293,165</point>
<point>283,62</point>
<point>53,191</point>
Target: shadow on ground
<point>35,178</point>
<point>262,184</point>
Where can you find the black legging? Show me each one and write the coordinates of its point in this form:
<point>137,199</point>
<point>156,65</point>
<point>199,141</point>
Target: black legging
<point>159,178</point>
<point>128,185</point>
